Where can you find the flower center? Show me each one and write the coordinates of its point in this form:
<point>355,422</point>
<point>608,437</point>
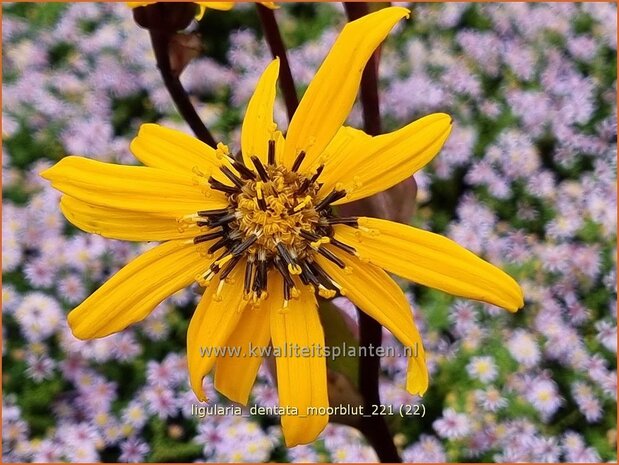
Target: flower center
<point>276,211</point>
<point>276,219</point>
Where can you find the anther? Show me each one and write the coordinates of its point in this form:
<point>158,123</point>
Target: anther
<point>260,278</point>
<point>220,186</point>
<point>260,197</point>
<point>297,162</point>
<point>350,221</point>
<point>238,182</point>
<point>208,236</point>
<point>293,267</point>
<point>308,235</point>
<point>271,153</point>
<point>317,173</point>
<point>333,196</point>
<point>303,187</point>
<point>322,274</point>
<point>243,246</point>
<point>262,172</point>
<point>206,278</point>
<point>223,242</point>
<point>207,213</point>
<point>345,247</point>
<point>308,275</point>
<point>249,270</point>
<point>244,171</point>
<point>283,271</point>
<point>229,267</point>
<point>331,256</point>
<point>222,220</point>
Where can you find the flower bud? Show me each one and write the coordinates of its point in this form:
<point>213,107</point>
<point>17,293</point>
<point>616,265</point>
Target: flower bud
<point>165,16</point>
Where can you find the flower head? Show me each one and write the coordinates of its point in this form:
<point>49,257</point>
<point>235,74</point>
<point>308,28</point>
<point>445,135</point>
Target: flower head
<point>261,234</point>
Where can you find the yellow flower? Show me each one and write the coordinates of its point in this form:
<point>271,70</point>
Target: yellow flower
<point>261,235</point>
<point>202,6</point>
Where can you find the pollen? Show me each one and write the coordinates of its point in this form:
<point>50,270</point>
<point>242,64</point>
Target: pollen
<point>277,221</point>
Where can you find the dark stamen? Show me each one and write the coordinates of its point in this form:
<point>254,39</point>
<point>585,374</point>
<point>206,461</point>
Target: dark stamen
<point>297,162</point>
<point>207,213</point>
<point>222,220</point>
<point>262,204</point>
<point>307,275</point>
<point>208,236</point>
<point>285,254</point>
<point>308,235</point>
<point>287,289</point>
<point>260,279</point>
<point>351,221</point>
<point>331,256</point>
<point>283,271</point>
<point>243,246</point>
<point>262,172</point>
<point>220,186</point>
<point>317,173</point>
<point>223,242</point>
<point>322,274</point>
<point>271,155</point>
<point>249,270</point>
<point>244,171</point>
<point>333,196</point>
<point>238,182</point>
<point>341,245</point>
<point>229,267</point>
<point>304,185</point>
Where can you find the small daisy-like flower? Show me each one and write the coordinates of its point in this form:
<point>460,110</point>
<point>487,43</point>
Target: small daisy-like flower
<point>259,231</point>
<point>452,425</point>
<point>482,368</point>
<point>491,399</point>
<point>133,450</point>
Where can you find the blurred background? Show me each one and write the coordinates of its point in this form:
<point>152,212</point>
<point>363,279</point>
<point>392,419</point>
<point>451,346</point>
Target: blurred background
<point>527,180</point>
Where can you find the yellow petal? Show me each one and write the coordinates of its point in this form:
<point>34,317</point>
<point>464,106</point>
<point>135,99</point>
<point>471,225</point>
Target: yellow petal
<point>212,324</point>
<point>168,149</point>
<point>301,380</point>
<point>258,125</point>
<point>131,294</point>
<point>331,94</point>
<point>374,292</point>
<point>432,260</point>
<point>345,148</point>
<point>235,375</point>
<point>138,4</point>
<point>222,6</point>
<point>369,165</point>
<point>125,224</point>
<point>271,5</point>
<point>137,188</point>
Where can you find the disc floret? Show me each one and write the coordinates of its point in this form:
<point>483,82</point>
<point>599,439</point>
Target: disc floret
<point>278,219</point>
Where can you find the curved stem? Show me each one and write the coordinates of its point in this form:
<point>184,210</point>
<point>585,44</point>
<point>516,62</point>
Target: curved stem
<point>161,42</point>
<point>278,49</point>
<point>374,428</point>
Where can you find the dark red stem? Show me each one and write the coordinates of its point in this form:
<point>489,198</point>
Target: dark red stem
<point>161,42</point>
<point>374,428</point>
